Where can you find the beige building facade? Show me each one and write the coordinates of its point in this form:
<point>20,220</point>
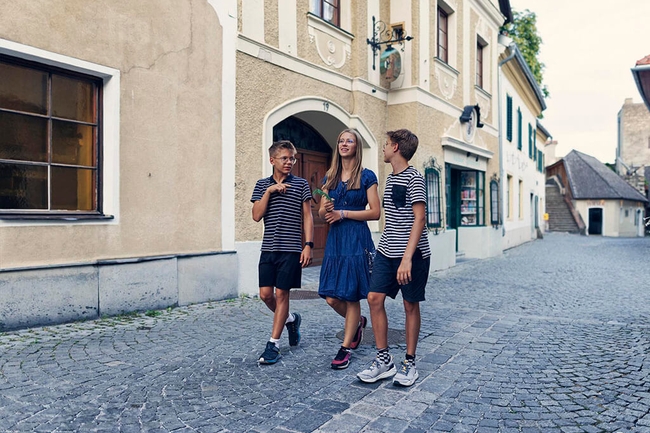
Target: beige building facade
<point>157,120</point>
<point>306,71</point>
<point>115,158</point>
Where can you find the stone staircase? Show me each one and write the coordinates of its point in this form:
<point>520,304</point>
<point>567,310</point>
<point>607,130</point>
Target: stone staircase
<point>559,215</point>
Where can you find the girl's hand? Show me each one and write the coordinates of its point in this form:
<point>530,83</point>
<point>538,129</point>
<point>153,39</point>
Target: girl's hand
<point>329,205</point>
<point>333,217</point>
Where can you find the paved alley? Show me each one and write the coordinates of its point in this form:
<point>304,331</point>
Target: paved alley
<point>552,336</point>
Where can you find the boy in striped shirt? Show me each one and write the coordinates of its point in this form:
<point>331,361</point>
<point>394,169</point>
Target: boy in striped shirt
<point>284,202</point>
<point>402,260</point>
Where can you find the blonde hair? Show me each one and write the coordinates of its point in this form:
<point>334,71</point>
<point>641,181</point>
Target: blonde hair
<point>334,173</point>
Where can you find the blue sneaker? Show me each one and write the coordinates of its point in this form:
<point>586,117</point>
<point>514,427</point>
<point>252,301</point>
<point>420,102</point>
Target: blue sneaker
<point>294,330</point>
<point>271,354</point>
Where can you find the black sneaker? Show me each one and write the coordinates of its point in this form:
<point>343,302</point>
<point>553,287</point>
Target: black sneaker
<point>342,359</point>
<point>294,330</point>
<point>271,354</point>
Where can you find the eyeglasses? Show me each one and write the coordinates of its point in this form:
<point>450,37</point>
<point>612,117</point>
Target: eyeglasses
<point>388,143</point>
<point>285,159</point>
<point>348,141</point>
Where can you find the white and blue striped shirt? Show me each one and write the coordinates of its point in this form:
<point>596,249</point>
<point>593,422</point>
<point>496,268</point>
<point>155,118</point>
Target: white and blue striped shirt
<point>402,191</point>
<point>283,217</point>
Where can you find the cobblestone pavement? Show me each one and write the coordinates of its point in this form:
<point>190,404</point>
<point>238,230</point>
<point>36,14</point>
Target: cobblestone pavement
<point>549,337</point>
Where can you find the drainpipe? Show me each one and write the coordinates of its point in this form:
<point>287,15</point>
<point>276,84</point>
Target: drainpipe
<point>503,40</point>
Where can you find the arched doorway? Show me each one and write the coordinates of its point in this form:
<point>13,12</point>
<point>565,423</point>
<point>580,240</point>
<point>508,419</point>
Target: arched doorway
<point>314,156</point>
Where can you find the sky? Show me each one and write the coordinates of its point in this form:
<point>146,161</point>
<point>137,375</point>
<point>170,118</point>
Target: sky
<point>589,47</point>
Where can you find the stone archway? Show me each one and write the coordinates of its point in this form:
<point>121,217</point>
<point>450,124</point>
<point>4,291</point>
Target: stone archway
<point>313,125</point>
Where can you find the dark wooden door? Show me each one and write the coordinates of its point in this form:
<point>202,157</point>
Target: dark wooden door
<point>595,221</point>
<point>313,166</point>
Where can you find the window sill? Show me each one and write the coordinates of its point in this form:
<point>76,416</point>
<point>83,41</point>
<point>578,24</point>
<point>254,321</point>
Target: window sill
<point>483,91</point>
<point>329,28</point>
<point>450,69</point>
<point>54,217</point>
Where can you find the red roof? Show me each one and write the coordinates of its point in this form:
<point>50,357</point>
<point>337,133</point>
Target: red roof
<point>644,61</point>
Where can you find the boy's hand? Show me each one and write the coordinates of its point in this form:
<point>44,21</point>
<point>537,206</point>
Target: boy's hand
<point>278,187</point>
<point>305,256</point>
<point>404,272</point>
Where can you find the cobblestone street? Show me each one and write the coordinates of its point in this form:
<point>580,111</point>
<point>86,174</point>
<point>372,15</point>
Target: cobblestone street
<point>552,336</point>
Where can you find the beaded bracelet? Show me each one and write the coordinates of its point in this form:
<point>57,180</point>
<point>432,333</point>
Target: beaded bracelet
<point>342,215</point>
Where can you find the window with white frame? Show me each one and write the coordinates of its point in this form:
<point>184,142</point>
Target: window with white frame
<point>521,199</point>
<point>328,10</point>
<point>434,213</point>
<point>495,211</point>
<point>480,65</point>
<point>443,35</point>
<point>59,137</point>
<point>508,197</point>
<point>49,139</point>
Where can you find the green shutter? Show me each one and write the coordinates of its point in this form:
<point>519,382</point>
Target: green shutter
<point>509,118</point>
<point>519,130</point>
<point>530,141</point>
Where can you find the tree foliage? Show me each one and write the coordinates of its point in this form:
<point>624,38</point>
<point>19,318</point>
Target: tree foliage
<point>523,31</point>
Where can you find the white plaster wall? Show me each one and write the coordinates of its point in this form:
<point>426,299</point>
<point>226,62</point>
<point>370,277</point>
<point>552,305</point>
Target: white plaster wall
<point>479,242</point>
<point>443,250</point>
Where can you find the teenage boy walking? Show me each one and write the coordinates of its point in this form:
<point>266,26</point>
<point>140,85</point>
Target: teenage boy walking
<point>402,260</point>
<point>284,202</point>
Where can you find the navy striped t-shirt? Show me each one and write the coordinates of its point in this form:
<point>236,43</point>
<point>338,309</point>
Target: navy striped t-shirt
<point>283,217</point>
<point>402,191</point>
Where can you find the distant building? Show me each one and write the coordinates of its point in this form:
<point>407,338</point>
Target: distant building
<point>598,198</point>
<point>633,147</point>
<point>641,73</point>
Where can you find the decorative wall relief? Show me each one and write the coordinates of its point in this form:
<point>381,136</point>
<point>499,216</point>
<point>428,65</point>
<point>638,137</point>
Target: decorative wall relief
<point>333,49</point>
<point>483,29</point>
<point>484,101</point>
<point>447,79</point>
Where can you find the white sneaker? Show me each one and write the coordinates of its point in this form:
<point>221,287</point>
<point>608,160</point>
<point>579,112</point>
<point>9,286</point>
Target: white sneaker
<point>378,370</point>
<point>407,374</point>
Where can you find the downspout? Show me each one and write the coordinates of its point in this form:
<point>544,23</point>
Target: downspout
<point>502,170</point>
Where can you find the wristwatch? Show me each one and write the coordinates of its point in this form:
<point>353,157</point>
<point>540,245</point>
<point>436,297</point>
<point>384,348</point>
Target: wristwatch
<point>309,244</point>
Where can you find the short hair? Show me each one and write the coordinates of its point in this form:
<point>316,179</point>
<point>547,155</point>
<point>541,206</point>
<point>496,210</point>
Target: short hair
<point>279,145</point>
<point>406,140</point>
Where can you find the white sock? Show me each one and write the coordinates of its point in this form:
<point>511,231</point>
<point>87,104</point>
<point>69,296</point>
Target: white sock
<point>275,341</point>
<point>290,318</point>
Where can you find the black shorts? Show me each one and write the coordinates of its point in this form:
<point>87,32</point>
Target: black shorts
<point>384,277</point>
<point>280,270</point>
